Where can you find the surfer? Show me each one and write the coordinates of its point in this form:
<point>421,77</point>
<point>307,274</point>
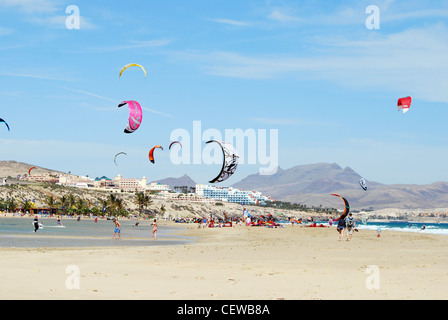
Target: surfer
<point>423,227</point>
<point>36,224</point>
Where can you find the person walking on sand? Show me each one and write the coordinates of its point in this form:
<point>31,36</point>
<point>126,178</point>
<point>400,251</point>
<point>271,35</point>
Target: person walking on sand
<point>351,226</point>
<point>341,227</point>
<point>117,229</point>
<point>154,229</point>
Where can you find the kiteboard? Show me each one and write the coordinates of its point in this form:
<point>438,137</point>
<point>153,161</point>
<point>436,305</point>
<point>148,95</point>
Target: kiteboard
<point>41,226</point>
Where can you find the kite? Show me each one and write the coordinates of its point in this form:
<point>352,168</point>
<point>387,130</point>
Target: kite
<point>346,209</point>
<point>135,115</point>
<point>151,153</point>
<point>132,65</point>
<point>363,184</point>
<point>175,143</point>
<point>404,104</point>
<point>230,161</point>
<point>29,171</point>
<point>1,120</point>
<point>115,158</point>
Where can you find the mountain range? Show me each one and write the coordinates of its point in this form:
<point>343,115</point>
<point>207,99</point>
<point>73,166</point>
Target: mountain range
<point>312,185</point>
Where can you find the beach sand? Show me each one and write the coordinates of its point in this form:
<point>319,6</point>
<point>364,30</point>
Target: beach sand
<point>237,263</point>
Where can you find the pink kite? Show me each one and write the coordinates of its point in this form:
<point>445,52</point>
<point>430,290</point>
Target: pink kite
<point>404,104</point>
<point>135,115</point>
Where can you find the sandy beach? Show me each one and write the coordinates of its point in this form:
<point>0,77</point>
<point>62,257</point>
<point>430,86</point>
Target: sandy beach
<point>237,263</point>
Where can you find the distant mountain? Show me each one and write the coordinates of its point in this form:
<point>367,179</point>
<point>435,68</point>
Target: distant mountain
<point>313,184</point>
<point>311,178</point>
<point>185,180</point>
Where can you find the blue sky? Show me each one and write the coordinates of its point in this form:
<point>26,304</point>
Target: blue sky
<point>310,69</point>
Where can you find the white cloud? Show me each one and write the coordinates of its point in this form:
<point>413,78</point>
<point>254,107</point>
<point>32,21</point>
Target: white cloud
<point>42,76</point>
<point>90,94</point>
<point>283,17</point>
<point>134,45</point>
<point>157,112</point>
<point>291,121</point>
<point>60,22</point>
<point>230,21</point>
<point>5,31</point>
<point>30,6</point>
<point>414,60</point>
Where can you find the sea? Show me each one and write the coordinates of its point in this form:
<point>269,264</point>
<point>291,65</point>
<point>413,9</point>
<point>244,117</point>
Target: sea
<point>419,227</point>
<point>19,233</point>
<point>403,226</point>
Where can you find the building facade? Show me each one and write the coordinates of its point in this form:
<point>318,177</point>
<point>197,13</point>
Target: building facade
<point>230,194</point>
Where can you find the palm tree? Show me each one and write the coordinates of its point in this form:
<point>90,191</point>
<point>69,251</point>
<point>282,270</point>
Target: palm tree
<point>71,201</point>
<point>81,205</point>
<point>112,202</point>
<point>50,202</point>
<point>11,204</point>
<point>143,201</point>
<point>64,202</point>
<point>27,205</point>
<point>162,209</point>
<point>104,206</point>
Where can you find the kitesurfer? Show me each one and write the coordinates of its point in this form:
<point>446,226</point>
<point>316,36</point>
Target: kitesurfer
<point>36,224</point>
<point>341,227</point>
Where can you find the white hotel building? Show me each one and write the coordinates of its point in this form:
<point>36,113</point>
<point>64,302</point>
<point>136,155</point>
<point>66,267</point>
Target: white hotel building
<point>230,194</point>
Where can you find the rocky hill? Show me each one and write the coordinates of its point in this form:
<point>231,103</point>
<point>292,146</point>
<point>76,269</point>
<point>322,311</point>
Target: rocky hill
<point>13,169</point>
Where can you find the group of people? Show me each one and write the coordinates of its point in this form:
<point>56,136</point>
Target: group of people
<point>117,230</point>
<point>348,224</point>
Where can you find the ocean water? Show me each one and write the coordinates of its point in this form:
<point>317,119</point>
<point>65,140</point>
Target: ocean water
<point>430,228</point>
<point>404,226</point>
<point>18,233</point>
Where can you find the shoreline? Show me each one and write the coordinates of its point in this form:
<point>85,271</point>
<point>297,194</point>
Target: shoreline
<point>238,264</point>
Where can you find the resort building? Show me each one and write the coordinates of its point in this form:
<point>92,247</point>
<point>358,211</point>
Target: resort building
<point>129,184</point>
<point>69,180</point>
<point>157,187</point>
<point>46,177</point>
<point>230,194</point>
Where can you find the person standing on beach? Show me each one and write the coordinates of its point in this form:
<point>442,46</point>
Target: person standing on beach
<point>341,227</point>
<point>36,224</point>
<point>154,229</point>
<point>117,229</point>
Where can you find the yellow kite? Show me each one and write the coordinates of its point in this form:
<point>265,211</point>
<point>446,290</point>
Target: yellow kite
<point>132,65</point>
